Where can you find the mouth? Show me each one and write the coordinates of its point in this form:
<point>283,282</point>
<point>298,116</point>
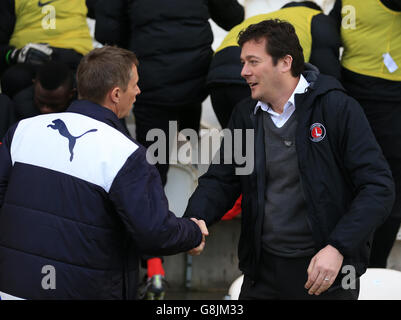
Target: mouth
<point>252,84</point>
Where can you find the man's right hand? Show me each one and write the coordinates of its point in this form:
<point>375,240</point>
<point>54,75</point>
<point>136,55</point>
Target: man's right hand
<point>202,226</point>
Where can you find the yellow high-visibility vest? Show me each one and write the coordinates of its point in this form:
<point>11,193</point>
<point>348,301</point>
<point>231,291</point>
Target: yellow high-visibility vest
<point>60,23</point>
<point>368,31</point>
<point>299,17</point>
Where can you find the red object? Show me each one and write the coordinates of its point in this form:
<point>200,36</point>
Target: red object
<point>236,210</point>
<point>316,132</point>
<point>155,266</point>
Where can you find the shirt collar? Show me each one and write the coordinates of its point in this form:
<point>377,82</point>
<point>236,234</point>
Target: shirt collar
<point>299,89</point>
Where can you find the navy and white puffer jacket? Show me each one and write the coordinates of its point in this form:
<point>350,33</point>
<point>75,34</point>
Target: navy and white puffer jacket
<point>78,195</point>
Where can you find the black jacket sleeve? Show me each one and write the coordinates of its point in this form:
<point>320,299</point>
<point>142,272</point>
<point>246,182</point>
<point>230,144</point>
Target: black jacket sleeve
<point>369,173</point>
<point>7,23</point>
<point>326,42</point>
<point>91,5</point>
<point>220,186</point>
<point>112,24</point>
<point>226,13</point>
<point>335,13</point>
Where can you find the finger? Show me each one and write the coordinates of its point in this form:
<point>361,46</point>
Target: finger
<point>311,274</point>
<point>193,252</point>
<point>202,226</point>
<point>316,285</point>
<point>198,250</point>
<point>327,282</point>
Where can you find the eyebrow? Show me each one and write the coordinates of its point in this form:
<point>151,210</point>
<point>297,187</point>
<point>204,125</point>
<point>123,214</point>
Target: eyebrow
<point>250,57</point>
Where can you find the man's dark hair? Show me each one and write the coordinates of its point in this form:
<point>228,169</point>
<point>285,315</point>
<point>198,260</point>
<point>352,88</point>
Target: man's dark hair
<point>102,69</point>
<point>281,40</point>
<point>309,4</point>
<point>52,75</point>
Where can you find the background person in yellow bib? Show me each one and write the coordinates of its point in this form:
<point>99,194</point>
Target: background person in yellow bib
<point>371,73</point>
<point>34,31</point>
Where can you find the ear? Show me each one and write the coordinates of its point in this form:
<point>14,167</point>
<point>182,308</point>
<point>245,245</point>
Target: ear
<point>286,63</point>
<point>115,94</point>
<point>72,93</point>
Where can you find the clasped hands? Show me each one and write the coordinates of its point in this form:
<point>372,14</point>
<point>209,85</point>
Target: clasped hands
<point>202,226</point>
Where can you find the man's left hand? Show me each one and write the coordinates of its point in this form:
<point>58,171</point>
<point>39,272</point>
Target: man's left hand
<point>323,270</point>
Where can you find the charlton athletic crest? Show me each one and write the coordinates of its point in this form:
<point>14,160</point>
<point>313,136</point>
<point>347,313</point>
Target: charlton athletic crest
<point>317,132</point>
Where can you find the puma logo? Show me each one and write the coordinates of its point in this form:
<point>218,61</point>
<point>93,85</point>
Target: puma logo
<point>62,129</point>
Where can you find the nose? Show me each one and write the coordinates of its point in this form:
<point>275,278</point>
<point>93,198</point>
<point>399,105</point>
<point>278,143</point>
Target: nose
<point>245,71</point>
<point>138,90</point>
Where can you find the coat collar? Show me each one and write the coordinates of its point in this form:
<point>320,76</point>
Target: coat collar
<point>97,112</point>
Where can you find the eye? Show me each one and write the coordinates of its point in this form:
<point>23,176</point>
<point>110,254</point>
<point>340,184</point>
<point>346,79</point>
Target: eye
<point>253,62</point>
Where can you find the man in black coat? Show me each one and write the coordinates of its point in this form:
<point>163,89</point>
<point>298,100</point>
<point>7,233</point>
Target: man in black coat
<point>320,184</point>
<point>172,40</point>
<point>319,39</point>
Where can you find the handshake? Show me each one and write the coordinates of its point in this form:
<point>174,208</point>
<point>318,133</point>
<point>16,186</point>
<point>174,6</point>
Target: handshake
<point>202,226</point>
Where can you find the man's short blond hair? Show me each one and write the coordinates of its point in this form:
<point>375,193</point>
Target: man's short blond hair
<point>102,69</point>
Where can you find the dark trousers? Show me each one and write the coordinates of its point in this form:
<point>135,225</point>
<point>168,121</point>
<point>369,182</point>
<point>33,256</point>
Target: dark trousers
<point>383,242</point>
<point>284,279</point>
<point>16,78</point>
<point>225,97</point>
<point>20,76</point>
<point>149,117</point>
<point>385,120</point>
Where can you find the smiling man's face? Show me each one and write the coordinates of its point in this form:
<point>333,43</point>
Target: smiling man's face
<point>259,71</point>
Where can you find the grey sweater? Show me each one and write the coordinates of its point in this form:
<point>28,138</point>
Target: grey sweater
<point>285,228</point>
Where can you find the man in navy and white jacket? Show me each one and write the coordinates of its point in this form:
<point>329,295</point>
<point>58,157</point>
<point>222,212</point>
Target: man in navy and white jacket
<point>79,202</point>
